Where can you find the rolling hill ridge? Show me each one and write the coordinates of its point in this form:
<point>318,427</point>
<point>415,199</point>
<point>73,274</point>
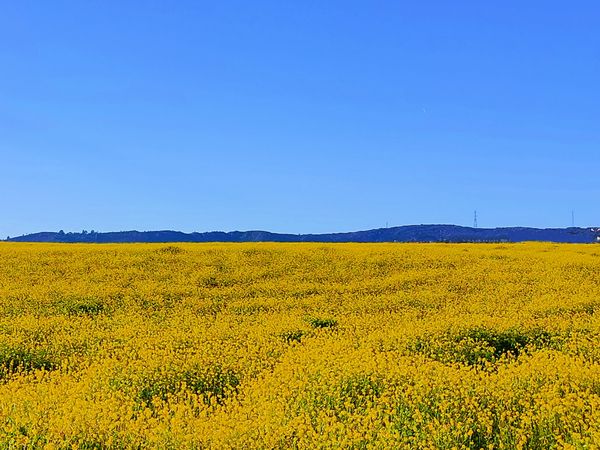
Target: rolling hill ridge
<point>407,233</point>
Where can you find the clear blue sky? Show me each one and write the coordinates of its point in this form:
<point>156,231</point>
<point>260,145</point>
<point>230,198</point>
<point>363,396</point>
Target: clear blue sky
<point>297,116</point>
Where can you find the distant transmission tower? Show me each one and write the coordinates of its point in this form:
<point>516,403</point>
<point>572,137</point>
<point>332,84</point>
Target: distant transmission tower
<point>573,218</point>
<point>475,219</point>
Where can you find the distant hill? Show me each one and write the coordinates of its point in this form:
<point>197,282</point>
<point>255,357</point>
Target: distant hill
<point>408,233</point>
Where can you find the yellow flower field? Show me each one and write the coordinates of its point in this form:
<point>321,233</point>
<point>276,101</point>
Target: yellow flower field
<point>278,346</point>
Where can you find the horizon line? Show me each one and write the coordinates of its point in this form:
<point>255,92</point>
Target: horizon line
<point>92,231</point>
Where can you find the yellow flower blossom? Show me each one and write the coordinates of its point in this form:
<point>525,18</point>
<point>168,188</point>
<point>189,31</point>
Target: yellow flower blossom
<point>302,346</point>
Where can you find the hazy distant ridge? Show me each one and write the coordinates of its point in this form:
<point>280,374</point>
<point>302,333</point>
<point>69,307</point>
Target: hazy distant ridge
<point>408,233</point>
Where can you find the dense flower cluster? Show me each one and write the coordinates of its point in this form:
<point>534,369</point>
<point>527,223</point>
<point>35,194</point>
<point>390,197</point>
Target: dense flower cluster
<point>277,346</point>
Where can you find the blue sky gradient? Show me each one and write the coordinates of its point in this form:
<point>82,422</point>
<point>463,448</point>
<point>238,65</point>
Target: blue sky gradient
<point>304,116</point>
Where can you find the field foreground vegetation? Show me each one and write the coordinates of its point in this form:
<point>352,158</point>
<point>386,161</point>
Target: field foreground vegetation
<point>278,346</point>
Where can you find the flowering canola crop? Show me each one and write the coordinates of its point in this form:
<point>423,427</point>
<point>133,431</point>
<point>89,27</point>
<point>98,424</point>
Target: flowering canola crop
<point>302,346</point>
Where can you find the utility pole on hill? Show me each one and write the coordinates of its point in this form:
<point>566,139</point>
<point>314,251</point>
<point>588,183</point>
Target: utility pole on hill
<point>475,219</point>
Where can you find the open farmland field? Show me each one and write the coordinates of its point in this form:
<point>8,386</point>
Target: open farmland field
<point>279,346</point>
